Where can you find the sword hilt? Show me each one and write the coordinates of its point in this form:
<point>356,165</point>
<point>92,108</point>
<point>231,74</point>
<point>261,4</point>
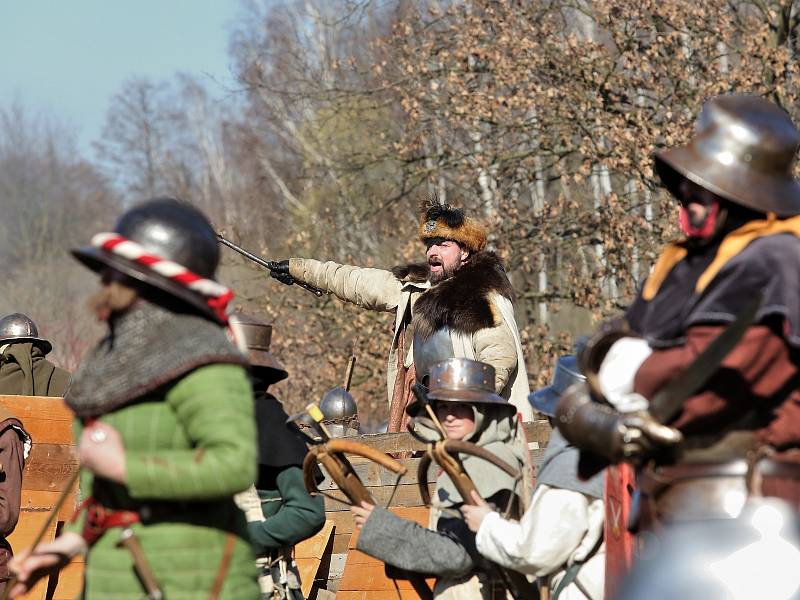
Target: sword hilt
<point>129,541</point>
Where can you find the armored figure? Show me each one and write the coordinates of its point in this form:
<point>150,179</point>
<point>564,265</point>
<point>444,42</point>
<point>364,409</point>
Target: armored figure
<point>457,304</point>
<point>704,446</point>
<point>24,370</point>
<point>166,431</point>
<point>341,412</point>
<point>559,539</point>
<point>279,510</point>
<point>463,396</point>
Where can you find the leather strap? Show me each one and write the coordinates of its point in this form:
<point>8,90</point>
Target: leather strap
<point>224,564</point>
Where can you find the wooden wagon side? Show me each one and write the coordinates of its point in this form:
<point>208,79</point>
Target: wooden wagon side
<point>349,574</point>
<point>49,467</point>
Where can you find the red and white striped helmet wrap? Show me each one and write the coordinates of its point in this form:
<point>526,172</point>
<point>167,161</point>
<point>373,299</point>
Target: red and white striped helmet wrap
<point>217,295</point>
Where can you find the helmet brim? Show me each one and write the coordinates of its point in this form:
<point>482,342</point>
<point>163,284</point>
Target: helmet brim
<point>466,396</point>
<point>760,192</point>
<point>545,400</point>
<point>45,345</point>
<point>97,259</point>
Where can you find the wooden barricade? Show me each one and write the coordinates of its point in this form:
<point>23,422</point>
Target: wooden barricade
<point>328,561</point>
<point>47,471</point>
<point>352,575</point>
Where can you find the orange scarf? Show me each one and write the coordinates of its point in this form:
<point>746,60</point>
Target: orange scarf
<point>732,244</point>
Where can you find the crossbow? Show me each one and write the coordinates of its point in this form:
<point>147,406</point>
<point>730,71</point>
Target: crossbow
<point>330,453</point>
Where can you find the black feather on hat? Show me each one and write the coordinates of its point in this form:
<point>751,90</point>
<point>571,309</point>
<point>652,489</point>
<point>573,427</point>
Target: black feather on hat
<point>440,220</point>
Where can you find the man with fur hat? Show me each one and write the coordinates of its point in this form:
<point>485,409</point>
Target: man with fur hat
<point>456,304</point>
<point>703,451</point>
<point>24,370</point>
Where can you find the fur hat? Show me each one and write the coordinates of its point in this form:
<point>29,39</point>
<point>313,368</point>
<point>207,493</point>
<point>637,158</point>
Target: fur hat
<point>439,220</point>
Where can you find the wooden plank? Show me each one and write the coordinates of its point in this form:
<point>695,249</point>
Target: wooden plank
<point>308,556</point>
<point>39,501</point>
<point>365,575</point>
<point>46,407</point>
<point>70,581</point>
<point>314,547</point>
<point>373,475</point>
<point>49,467</point>
<point>48,420</point>
<point>340,542</point>
<point>377,595</point>
<point>406,495</point>
<point>391,443</point>
<point>28,527</point>
<point>342,521</point>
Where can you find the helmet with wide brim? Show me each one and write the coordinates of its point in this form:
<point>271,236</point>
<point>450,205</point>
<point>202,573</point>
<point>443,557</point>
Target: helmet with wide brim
<point>98,259</point>
<point>256,337</point>
<point>462,380</point>
<point>172,230</point>
<point>743,150</point>
<point>565,374</point>
<point>17,328</point>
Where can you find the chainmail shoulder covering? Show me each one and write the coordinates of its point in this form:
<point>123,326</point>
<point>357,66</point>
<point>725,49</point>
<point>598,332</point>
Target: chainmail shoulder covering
<point>146,348</point>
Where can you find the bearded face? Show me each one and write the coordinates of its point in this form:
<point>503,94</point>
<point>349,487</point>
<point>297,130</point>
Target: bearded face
<point>445,257</point>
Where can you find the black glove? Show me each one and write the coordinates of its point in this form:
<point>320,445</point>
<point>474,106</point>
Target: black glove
<point>280,271</point>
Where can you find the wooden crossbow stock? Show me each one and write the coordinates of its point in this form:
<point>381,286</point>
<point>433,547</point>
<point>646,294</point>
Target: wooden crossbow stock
<point>442,452</point>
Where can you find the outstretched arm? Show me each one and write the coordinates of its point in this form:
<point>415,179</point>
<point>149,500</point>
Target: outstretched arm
<point>374,289</point>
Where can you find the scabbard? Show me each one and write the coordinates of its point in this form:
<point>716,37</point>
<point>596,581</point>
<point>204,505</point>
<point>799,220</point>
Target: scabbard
<point>130,542</point>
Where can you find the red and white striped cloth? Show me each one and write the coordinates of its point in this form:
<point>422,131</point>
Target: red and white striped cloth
<point>217,295</point>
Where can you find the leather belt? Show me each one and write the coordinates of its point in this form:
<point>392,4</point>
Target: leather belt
<point>99,519</point>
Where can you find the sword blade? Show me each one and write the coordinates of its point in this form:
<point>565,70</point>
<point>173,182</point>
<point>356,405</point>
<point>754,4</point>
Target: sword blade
<point>667,402</point>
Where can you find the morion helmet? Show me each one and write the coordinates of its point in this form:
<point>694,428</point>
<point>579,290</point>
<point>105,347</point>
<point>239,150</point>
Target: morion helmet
<point>17,328</point>
<point>462,380</point>
<point>743,150</point>
<point>565,375</point>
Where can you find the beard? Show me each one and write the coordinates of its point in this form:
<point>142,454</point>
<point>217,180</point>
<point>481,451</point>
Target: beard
<point>446,273</point>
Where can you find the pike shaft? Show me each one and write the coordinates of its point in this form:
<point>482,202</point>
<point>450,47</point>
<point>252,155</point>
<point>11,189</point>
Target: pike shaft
<point>256,259</point>
<point>267,264</point>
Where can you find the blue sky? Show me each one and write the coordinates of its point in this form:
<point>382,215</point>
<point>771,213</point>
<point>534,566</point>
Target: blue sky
<point>67,58</point>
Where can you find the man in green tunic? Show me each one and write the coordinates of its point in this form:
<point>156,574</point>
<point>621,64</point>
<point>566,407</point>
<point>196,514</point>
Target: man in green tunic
<point>165,422</point>
<point>279,510</point>
<point>24,370</point>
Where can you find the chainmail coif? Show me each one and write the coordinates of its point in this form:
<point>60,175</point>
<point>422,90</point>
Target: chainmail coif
<point>146,347</point>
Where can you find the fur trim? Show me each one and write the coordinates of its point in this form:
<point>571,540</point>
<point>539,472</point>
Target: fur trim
<point>438,220</point>
<point>461,302</point>
<point>414,272</point>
